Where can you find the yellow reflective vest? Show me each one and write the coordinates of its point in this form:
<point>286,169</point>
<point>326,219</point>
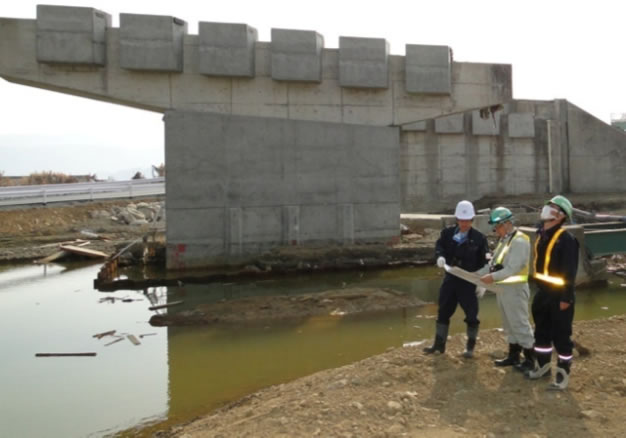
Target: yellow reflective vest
<point>500,252</point>
<point>545,275</point>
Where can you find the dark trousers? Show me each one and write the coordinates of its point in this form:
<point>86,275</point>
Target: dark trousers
<point>455,291</point>
<point>552,325</point>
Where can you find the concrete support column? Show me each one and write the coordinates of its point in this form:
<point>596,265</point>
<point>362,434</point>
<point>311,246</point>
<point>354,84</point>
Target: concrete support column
<point>235,222</point>
<point>291,224</point>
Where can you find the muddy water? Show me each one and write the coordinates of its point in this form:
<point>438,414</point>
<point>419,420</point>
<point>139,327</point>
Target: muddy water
<point>178,373</point>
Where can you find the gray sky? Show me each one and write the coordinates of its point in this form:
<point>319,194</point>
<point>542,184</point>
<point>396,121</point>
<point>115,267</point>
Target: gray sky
<point>559,49</point>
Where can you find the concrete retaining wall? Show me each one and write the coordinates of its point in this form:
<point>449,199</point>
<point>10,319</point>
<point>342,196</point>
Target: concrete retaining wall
<point>241,185</point>
<point>522,147</point>
<point>597,154</point>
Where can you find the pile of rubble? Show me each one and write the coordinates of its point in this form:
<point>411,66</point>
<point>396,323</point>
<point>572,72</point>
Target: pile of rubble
<point>134,214</point>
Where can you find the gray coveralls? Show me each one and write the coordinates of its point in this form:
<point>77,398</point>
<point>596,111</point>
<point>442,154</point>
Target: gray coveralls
<point>513,302</point>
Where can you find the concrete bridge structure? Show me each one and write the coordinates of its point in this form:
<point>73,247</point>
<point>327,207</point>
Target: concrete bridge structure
<point>288,142</point>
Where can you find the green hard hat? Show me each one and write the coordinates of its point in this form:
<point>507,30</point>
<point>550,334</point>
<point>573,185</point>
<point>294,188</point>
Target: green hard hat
<point>500,215</point>
<point>563,204</point>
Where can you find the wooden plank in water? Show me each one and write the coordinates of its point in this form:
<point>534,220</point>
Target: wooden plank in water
<point>52,257</point>
<point>103,334</point>
<point>133,339</point>
<point>64,354</point>
<point>163,306</point>
<point>113,342</point>
<point>84,251</point>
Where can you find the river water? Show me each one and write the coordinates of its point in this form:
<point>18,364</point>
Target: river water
<point>176,374</point>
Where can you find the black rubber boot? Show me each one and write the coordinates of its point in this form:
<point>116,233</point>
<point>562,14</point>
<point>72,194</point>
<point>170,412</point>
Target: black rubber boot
<point>472,334</point>
<point>512,358</point>
<point>441,336</point>
<point>529,361</point>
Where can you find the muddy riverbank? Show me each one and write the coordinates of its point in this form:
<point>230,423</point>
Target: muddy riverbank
<point>406,393</point>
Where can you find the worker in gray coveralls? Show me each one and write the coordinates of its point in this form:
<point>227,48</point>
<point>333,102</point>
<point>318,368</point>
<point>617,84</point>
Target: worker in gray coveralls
<point>509,269</point>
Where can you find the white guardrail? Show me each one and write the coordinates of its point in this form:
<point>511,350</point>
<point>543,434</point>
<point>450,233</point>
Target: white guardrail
<point>89,191</point>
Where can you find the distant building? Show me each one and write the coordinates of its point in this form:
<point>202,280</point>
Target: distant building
<point>619,121</point>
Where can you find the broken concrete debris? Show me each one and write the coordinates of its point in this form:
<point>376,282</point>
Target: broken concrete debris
<point>134,214</point>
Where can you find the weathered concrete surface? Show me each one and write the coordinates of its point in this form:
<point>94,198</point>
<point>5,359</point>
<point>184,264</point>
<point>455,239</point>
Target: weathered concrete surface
<point>297,55</point>
<point>428,69</point>
<point>524,147</point>
<point>151,42</point>
<point>226,49</point>
<point>240,185</point>
<point>597,153</point>
<point>71,35</point>
<point>189,86</point>
<point>363,62</point>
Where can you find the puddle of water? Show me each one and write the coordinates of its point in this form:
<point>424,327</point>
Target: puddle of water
<point>184,372</point>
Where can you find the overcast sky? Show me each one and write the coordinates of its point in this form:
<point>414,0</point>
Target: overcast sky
<point>573,50</point>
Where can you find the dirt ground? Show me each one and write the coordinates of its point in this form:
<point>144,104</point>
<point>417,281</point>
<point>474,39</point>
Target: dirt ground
<point>404,392</point>
<point>399,393</point>
<point>261,310</point>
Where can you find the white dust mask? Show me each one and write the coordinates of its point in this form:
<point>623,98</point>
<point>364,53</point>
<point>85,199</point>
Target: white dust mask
<point>548,213</point>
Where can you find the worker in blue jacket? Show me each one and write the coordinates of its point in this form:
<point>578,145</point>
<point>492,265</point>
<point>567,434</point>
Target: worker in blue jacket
<point>463,246</point>
<point>556,265</point>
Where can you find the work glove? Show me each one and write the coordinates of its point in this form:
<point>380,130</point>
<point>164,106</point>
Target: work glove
<point>480,291</point>
<point>441,261</point>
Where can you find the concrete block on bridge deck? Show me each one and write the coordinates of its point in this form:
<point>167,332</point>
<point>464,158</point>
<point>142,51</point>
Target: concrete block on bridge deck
<point>152,42</point>
<point>487,126</point>
<point>428,69</point>
<point>226,49</point>
<point>297,55</point>
<point>363,62</point>
<point>71,35</point>
<point>521,125</point>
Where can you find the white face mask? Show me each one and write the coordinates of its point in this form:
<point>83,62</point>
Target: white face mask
<point>549,213</point>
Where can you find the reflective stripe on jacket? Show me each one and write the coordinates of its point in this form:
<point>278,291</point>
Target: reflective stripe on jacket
<point>544,274</point>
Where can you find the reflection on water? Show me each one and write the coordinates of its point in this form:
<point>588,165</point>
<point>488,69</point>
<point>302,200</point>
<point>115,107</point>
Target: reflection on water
<point>55,310</point>
<point>184,372</point>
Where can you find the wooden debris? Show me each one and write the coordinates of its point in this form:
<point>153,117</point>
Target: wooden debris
<point>64,354</point>
<point>103,334</point>
<point>162,306</point>
<point>52,257</point>
<point>147,334</point>
<point>78,243</point>
<point>83,251</point>
<point>133,339</point>
<point>113,342</point>
<point>93,235</point>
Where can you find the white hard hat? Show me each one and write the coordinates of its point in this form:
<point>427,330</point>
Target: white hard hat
<point>464,210</point>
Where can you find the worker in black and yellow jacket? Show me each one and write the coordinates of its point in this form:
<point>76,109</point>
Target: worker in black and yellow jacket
<point>556,264</point>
